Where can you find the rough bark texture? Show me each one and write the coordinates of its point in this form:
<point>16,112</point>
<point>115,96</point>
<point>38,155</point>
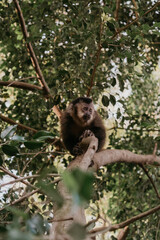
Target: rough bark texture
<point>69,210</point>
<point>70,213</point>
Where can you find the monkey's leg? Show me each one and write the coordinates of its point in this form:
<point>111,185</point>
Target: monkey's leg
<point>77,150</point>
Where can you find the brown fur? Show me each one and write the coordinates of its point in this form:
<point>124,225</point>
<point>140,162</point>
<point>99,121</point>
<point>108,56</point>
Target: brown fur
<point>79,117</point>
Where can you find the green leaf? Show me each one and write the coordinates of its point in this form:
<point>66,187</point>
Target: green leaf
<point>111,26</point>
<point>43,135</point>
<point>17,212</point>
<point>57,99</point>
<point>121,84</point>
<point>79,183</point>
<point>33,144</point>
<point>8,132</point>
<point>10,150</point>
<point>16,234</point>
<point>157,24</point>
<point>113,83</point>
<point>36,225</point>
<point>52,193</point>
<point>1,160</point>
<point>113,100</point>
<point>105,100</point>
<point>70,182</point>
<point>118,113</point>
<point>18,138</point>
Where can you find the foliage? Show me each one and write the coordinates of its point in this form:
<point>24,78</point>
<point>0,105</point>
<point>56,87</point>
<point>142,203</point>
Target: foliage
<point>82,47</point>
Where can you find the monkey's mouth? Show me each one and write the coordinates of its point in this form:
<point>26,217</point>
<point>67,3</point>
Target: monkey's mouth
<point>86,118</point>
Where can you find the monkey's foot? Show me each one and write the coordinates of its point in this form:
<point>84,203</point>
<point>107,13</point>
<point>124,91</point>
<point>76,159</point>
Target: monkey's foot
<point>85,134</point>
<point>77,150</point>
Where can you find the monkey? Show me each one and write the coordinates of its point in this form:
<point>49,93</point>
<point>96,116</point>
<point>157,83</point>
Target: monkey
<point>78,121</point>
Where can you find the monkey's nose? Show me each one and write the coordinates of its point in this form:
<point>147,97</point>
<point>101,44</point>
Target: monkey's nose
<point>86,116</point>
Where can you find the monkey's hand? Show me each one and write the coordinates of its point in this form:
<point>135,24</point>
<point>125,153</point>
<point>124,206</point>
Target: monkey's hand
<point>85,134</point>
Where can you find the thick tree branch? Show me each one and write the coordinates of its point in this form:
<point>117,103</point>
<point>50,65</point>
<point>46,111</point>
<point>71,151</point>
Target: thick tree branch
<point>83,161</point>
<point>19,125</point>
<point>30,49</point>
<point>21,85</point>
<point>101,230</point>
<point>114,155</point>
<point>70,209</point>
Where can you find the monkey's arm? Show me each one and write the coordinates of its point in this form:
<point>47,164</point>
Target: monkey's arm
<point>69,141</point>
<point>99,133</point>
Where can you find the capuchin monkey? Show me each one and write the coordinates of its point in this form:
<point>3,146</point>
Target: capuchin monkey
<point>78,121</point>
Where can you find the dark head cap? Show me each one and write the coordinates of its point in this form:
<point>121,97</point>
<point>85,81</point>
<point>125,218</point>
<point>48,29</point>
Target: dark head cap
<point>82,99</point>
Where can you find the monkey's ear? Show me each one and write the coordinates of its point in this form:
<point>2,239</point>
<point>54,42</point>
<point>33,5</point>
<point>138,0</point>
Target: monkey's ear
<point>70,108</point>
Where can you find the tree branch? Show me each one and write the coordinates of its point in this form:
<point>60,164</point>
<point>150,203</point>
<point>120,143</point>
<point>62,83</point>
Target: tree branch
<point>151,180</point>
<point>97,59</point>
<point>19,125</point>
<point>135,6</point>
<point>101,230</point>
<point>57,111</point>
<point>33,56</point>
<point>117,9</point>
<point>21,199</point>
<point>14,176</point>
<point>123,233</point>
<point>109,156</point>
<point>30,49</point>
<point>21,85</point>
<point>20,179</point>
<point>132,129</point>
<point>136,20</point>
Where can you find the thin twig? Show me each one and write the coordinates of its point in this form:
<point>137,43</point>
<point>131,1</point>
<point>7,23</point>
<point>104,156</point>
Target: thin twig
<point>27,163</point>
<point>135,6</point>
<point>151,180</point>
<point>27,177</point>
<point>155,149</point>
<point>134,21</point>
<point>101,230</point>
<point>14,176</point>
<point>135,130</point>
<point>97,59</point>
<point>21,199</point>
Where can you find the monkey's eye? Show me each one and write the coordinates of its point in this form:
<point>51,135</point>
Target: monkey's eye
<point>85,109</point>
<point>90,110</point>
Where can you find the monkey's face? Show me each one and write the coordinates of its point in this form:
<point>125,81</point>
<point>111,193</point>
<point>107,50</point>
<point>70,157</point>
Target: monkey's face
<point>84,113</point>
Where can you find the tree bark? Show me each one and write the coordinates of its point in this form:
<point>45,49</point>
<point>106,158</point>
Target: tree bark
<point>70,213</point>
